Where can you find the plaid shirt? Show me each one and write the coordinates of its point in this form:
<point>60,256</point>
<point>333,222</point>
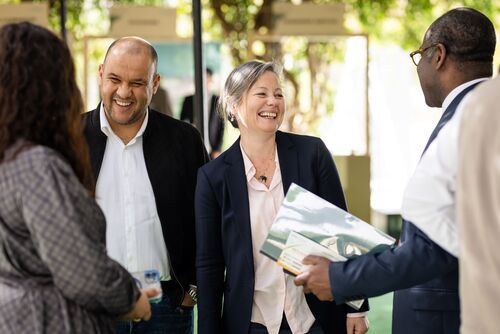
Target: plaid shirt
<point>55,276</point>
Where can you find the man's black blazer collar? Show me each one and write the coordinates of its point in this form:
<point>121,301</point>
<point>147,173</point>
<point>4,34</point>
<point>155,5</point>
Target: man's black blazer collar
<point>97,140</point>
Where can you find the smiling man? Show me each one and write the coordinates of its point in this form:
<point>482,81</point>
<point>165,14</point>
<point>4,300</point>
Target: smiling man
<point>455,56</point>
<point>145,167</point>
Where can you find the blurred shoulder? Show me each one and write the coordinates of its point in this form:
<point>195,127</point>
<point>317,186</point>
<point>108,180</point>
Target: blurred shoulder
<point>178,128</point>
<point>299,140</point>
<point>216,166</point>
<point>27,161</point>
<point>172,124</point>
<point>230,157</point>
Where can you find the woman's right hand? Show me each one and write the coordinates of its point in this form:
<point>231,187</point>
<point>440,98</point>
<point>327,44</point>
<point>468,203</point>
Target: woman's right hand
<point>142,308</point>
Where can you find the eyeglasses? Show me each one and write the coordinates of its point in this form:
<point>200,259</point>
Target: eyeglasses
<point>416,55</point>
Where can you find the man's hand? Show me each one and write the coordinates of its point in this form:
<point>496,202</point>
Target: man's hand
<point>316,278</point>
<point>357,325</point>
<point>188,301</point>
<point>142,308</point>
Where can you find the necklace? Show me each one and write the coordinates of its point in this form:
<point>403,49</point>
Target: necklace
<point>262,177</point>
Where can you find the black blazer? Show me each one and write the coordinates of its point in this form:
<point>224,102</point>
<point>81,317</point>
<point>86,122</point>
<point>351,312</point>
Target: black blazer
<point>173,152</point>
<point>215,122</point>
<point>224,258</point>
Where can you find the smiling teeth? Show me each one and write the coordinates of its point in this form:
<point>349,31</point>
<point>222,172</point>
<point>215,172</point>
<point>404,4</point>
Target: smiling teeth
<point>123,104</point>
<point>268,114</point>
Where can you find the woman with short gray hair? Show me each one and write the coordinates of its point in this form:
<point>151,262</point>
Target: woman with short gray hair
<point>237,197</point>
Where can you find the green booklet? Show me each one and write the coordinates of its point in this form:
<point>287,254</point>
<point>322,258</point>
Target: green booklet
<point>306,224</point>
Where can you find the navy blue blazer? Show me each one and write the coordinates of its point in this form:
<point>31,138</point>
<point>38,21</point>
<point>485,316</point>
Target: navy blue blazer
<point>224,258</point>
<point>425,275</point>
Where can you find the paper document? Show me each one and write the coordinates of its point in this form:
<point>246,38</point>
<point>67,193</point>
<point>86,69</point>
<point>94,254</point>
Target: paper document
<point>308,225</point>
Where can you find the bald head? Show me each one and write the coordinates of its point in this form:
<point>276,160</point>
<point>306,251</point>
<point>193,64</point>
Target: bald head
<point>127,81</point>
<point>133,45</point>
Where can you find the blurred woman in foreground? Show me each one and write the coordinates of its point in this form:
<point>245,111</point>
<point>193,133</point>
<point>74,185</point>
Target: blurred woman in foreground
<point>55,276</point>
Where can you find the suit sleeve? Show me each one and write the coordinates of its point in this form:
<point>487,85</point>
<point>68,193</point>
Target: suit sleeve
<point>219,128</point>
<point>416,261</point>
<point>187,111</point>
<point>328,179</point>
<point>330,189</point>
<point>209,257</point>
<point>219,135</point>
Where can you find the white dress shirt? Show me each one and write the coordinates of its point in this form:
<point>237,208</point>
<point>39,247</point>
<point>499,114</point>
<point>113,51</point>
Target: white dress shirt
<point>275,291</point>
<point>429,199</point>
<point>134,236</point>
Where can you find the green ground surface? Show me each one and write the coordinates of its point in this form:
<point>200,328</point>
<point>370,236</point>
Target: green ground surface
<point>379,315</point>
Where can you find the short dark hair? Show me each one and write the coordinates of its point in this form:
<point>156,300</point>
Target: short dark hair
<point>40,102</point>
<point>467,34</point>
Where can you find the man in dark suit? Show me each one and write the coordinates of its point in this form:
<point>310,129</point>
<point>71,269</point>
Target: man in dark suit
<point>145,166</point>
<point>456,54</point>
<point>215,122</point>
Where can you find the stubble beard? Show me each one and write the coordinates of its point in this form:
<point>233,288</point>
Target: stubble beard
<point>136,116</point>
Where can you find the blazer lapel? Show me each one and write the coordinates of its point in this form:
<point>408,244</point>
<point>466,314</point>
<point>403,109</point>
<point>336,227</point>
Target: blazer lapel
<point>288,159</point>
<point>96,139</point>
<point>152,149</point>
<point>238,192</point>
<point>159,152</point>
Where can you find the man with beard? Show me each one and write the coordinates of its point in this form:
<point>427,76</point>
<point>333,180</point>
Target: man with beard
<point>145,166</point>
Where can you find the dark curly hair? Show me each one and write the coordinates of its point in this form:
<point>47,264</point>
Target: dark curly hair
<point>39,98</point>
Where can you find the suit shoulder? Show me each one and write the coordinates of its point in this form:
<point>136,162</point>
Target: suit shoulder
<point>92,112</point>
<point>91,118</point>
<point>174,124</point>
<point>302,140</point>
<point>214,166</point>
<point>88,114</point>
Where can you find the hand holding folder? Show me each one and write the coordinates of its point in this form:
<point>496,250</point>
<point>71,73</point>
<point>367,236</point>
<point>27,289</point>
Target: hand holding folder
<point>308,225</point>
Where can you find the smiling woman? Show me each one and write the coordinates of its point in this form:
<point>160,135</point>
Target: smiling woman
<point>262,107</point>
<point>237,197</point>
<point>253,102</point>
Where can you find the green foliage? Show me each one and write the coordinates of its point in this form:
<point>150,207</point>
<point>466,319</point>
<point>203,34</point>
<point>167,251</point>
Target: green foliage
<point>239,22</point>
<point>405,22</point>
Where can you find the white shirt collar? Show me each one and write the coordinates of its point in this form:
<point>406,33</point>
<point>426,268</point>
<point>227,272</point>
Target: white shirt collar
<point>106,128</point>
<point>453,94</point>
